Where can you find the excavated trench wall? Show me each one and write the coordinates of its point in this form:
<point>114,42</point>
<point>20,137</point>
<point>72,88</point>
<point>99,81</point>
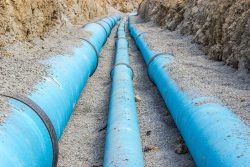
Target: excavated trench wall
<point>125,5</point>
<point>26,19</point>
<point>221,27</point>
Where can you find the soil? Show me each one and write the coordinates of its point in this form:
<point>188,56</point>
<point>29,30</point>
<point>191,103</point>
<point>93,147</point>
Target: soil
<point>82,143</point>
<point>56,33</point>
<point>222,28</point>
<point>24,20</point>
<point>23,68</point>
<point>194,72</point>
<point>158,131</point>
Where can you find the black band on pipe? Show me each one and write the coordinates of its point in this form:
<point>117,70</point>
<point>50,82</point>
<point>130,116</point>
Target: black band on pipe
<point>127,65</point>
<point>116,36</point>
<point>124,31</point>
<point>110,19</point>
<point>103,28</point>
<point>45,119</point>
<point>156,55</point>
<point>121,31</point>
<point>101,19</point>
<point>107,24</point>
<point>85,25</point>
<point>100,25</point>
<point>153,58</point>
<point>139,35</point>
<point>96,52</point>
<point>121,38</point>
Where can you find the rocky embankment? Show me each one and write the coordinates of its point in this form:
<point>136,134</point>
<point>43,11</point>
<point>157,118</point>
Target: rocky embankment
<point>26,19</point>
<point>222,28</point>
<point>125,5</point>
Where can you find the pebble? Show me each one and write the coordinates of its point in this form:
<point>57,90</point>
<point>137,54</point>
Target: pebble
<point>181,149</point>
<point>148,133</point>
<point>137,98</point>
<point>150,148</point>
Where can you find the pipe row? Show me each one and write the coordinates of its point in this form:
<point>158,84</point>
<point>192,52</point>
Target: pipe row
<point>26,135</point>
<point>123,143</point>
<point>214,135</point>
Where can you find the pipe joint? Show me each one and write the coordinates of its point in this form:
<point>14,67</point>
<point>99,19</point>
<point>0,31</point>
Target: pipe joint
<point>107,34</point>
<point>140,34</point>
<point>123,133</point>
<point>96,54</point>
<point>30,132</point>
<point>44,118</point>
<point>157,55</point>
<point>214,135</point>
<point>124,64</point>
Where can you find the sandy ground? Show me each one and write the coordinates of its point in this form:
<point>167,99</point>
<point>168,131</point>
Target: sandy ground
<point>22,69</point>
<point>82,143</point>
<point>158,131</point>
<point>194,72</point>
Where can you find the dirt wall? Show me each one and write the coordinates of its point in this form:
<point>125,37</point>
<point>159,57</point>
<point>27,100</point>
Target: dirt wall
<point>26,19</point>
<point>222,27</point>
<point>126,5</point>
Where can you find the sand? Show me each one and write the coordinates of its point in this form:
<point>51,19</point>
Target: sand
<point>194,72</point>
<point>82,143</point>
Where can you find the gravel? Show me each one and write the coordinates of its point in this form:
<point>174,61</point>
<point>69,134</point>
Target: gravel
<point>82,143</point>
<point>22,68</point>
<point>195,73</point>
<point>158,132</point>
<point>4,107</point>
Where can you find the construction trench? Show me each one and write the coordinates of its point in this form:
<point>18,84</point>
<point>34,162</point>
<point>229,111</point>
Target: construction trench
<point>136,106</point>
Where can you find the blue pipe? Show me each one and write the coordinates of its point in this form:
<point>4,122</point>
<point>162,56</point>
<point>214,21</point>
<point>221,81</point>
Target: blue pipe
<point>214,135</point>
<point>24,138</point>
<point>123,143</point>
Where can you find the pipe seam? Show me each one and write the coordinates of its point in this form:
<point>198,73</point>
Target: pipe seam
<point>125,64</point>
<point>121,38</point>
<point>110,19</point>
<point>156,55</point>
<point>24,138</point>
<point>214,135</point>
<point>96,53</point>
<point>84,25</point>
<point>107,23</point>
<point>142,33</point>
<point>99,25</point>
<point>123,143</point>
<point>45,119</point>
<point>103,28</point>
<point>152,60</point>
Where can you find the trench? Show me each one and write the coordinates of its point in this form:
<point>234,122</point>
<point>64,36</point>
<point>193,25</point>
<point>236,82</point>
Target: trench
<point>82,143</point>
<point>158,131</point>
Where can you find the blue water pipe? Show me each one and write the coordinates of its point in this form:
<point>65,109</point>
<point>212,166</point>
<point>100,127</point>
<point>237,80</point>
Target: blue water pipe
<point>123,144</point>
<point>34,123</point>
<point>214,135</point>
